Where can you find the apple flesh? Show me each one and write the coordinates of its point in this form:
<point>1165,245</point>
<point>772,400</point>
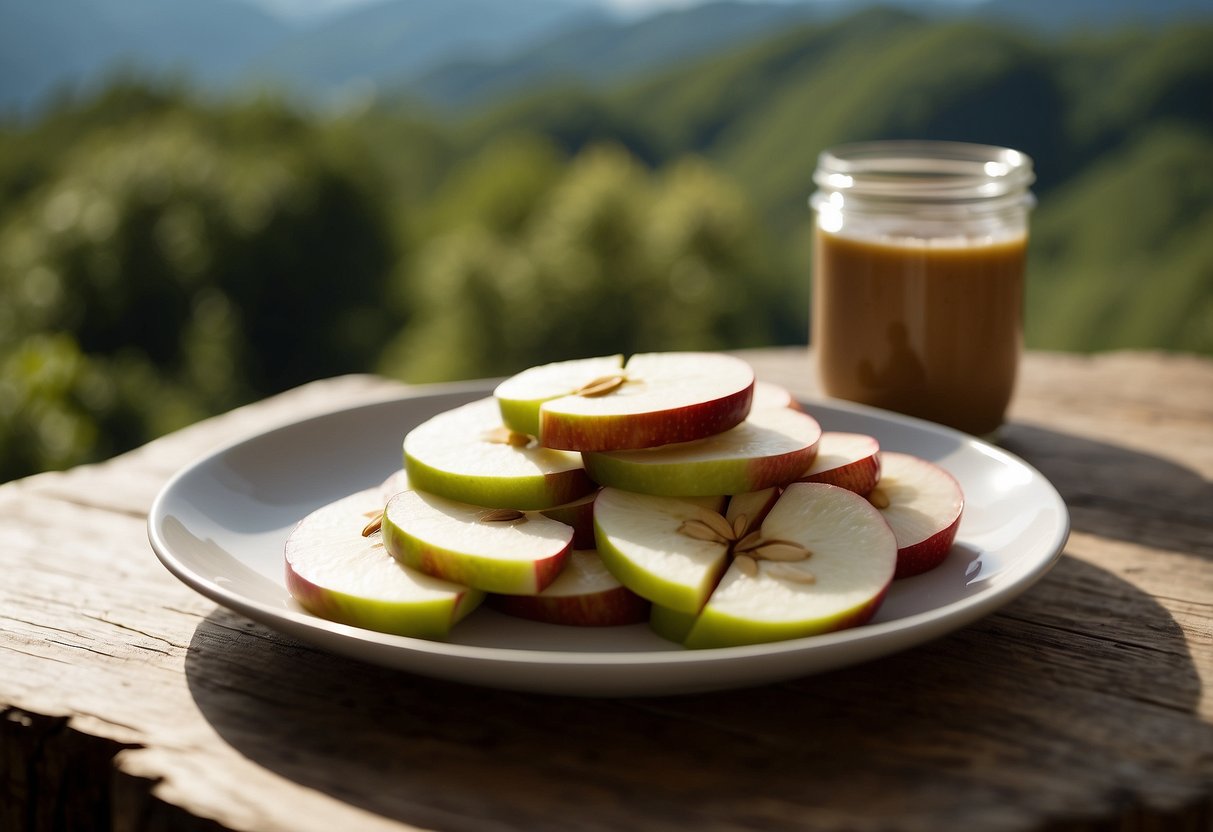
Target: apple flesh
<point>753,506</point>
<point>393,485</point>
<point>655,399</point>
<point>848,460</point>
<point>467,455</point>
<point>337,573</point>
<point>771,447</point>
<point>585,594</point>
<point>639,541</point>
<point>841,584</point>
<point>521,397</point>
<point>923,504</point>
<point>768,395</point>
<point>495,550</point>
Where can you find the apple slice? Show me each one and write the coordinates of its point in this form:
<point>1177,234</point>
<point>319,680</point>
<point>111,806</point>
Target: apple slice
<point>467,455</point>
<point>656,399</point>
<point>672,625</point>
<point>580,515</point>
<point>828,563</point>
<point>496,550</point>
<point>585,594</point>
<point>639,541</point>
<point>848,460</point>
<point>393,485</point>
<point>771,447</point>
<point>923,504</point>
<point>336,572</point>
<point>768,395</point>
<point>751,508</point>
<point>521,396</point>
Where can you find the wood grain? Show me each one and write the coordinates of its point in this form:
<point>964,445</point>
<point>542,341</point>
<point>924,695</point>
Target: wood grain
<point>131,703</point>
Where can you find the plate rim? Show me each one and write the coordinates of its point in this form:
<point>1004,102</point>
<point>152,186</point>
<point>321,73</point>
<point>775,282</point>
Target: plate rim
<point>916,628</point>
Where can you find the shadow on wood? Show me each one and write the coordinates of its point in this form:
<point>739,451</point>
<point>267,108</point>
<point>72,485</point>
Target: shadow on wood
<point>1116,492</point>
<point>1034,708</point>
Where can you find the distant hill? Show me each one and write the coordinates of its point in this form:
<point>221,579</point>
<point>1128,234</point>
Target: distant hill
<point>1120,126</point>
<point>226,44</point>
<point>453,53</point>
<point>608,51</point>
<point>388,43</point>
<point>56,43</point>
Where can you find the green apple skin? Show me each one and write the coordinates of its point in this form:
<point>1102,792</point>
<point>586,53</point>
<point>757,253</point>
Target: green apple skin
<point>490,574</point>
<point>773,447</point>
<point>671,625</point>
<point>697,479</point>
<point>336,572</point>
<point>659,589</point>
<point>524,494</point>
<point>521,413</point>
<point>716,629</point>
<point>430,620</point>
<point>611,432</point>
<point>450,455</point>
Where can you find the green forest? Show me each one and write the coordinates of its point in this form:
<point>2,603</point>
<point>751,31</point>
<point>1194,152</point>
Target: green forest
<point>167,254</point>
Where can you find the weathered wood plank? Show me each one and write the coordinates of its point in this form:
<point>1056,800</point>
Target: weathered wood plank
<point>131,703</point>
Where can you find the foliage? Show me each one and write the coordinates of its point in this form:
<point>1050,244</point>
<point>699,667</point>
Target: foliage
<point>164,256</point>
<point>601,256</point>
<point>163,270</point>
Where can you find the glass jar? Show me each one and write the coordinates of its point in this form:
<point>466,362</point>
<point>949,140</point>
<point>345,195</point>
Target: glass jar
<point>918,277</point>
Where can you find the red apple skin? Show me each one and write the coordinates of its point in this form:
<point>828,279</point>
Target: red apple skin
<point>780,470</point>
<point>927,554</point>
<point>860,476</point>
<point>864,614</point>
<point>611,608</point>
<point>580,515</point>
<point>644,430</point>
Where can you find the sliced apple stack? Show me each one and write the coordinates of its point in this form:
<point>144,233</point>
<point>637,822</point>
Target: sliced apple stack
<point>590,492</point>
<point>338,568</point>
<point>604,404</point>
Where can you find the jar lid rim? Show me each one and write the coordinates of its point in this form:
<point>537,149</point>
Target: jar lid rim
<point>923,169</point>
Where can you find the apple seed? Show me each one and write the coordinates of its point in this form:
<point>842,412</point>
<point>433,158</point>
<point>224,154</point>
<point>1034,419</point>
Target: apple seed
<point>699,530</point>
<point>374,525</point>
<point>739,526</point>
<point>747,565</point>
<point>502,515</point>
<point>878,498</point>
<point>504,436</point>
<point>601,386</point>
<point>781,550</point>
<point>791,573</point>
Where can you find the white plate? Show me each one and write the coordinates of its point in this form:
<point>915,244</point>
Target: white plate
<point>219,525</point>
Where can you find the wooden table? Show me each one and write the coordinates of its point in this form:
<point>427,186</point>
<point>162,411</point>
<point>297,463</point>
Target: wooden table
<point>131,703</point>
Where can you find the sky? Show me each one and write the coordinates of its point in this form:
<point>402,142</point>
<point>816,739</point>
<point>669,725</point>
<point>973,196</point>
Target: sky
<point>305,9</point>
